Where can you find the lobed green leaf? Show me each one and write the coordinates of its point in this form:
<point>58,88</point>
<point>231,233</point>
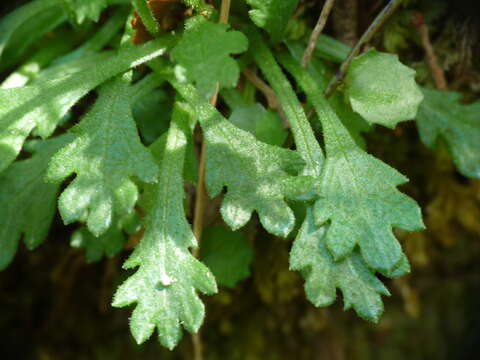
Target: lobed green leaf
<point>441,116</point>
<point>105,155</point>
<point>164,286</point>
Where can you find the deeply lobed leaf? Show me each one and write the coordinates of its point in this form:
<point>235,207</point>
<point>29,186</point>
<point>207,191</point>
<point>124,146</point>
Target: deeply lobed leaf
<point>45,102</point>
<point>360,287</point>
<point>442,116</point>
<point>164,286</point>
<point>105,155</point>
<point>358,193</point>
<point>256,174</point>
<point>28,202</point>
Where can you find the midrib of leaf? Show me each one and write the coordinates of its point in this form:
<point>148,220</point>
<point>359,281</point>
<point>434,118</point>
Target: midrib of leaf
<point>305,140</point>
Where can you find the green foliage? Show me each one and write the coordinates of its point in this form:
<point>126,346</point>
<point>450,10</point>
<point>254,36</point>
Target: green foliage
<point>108,244</point>
<point>28,202</point>
<point>168,275</point>
<point>85,9</point>
<point>272,15</point>
<point>227,254</point>
<point>256,174</point>
<point>360,287</point>
<point>204,51</point>
<point>441,116</point>
<point>262,150</point>
<point>15,19</point>
<point>44,103</point>
<point>105,155</point>
<point>358,194</point>
<point>381,89</point>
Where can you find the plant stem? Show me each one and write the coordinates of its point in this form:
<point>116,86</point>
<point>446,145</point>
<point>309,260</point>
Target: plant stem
<point>436,70</point>
<point>263,87</point>
<point>322,21</point>
<point>388,10</point>
<point>201,194</point>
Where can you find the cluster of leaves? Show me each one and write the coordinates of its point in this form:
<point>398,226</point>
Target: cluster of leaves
<point>124,160</point>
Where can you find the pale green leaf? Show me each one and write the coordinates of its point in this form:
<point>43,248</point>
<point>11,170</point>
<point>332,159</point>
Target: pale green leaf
<point>442,116</point>
<point>204,52</point>
<point>105,155</point>
<point>358,194</point>
<point>381,89</point>
<point>323,275</point>
<point>227,254</point>
<point>272,15</point>
<point>45,102</point>
<point>28,202</point>
<point>254,173</point>
<point>164,286</point>
<point>108,244</point>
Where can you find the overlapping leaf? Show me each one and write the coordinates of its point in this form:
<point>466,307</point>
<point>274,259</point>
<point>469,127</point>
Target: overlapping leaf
<point>360,287</point>
<point>381,89</point>
<point>358,193</point>
<point>442,116</point>
<point>105,155</point>
<point>227,254</point>
<point>28,203</point>
<point>164,286</point>
<point>254,173</point>
<point>108,244</point>
<point>44,103</point>
<point>204,52</point>
<point>272,15</point>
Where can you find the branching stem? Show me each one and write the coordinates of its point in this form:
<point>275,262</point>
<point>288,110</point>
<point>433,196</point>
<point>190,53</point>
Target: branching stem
<point>322,21</point>
<point>387,11</point>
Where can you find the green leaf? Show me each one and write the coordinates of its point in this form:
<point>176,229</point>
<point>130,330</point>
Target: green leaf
<point>442,116</point>
<point>204,52</point>
<point>264,124</point>
<point>168,275</point>
<point>305,141</point>
<point>85,9</point>
<point>105,155</point>
<point>360,287</point>
<point>320,74</point>
<point>255,174</point>
<point>108,244</point>
<point>381,89</point>
<point>152,114</point>
<point>28,202</point>
<point>19,16</point>
<point>45,102</point>
<point>227,254</point>
<point>358,194</point>
<point>272,15</point>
